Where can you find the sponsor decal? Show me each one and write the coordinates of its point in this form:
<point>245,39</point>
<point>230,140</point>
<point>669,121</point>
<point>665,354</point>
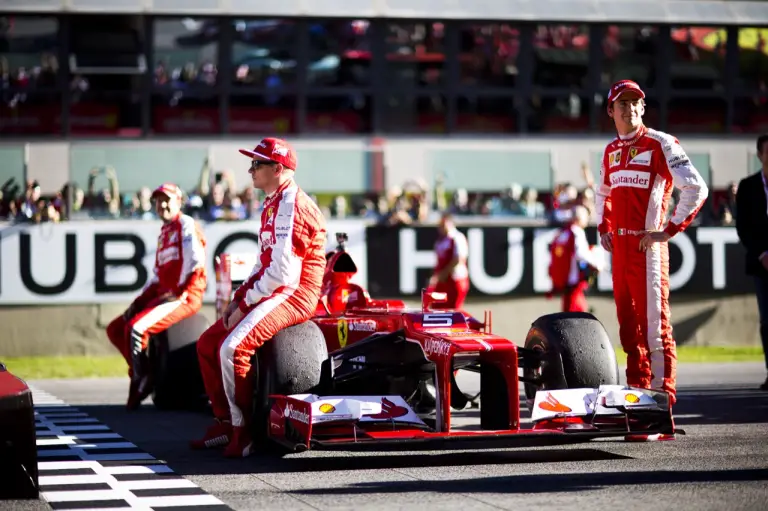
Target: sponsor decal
<point>614,158</point>
<point>342,328</point>
<point>643,158</point>
<point>269,216</point>
<point>630,178</point>
<point>367,325</point>
<point>297,415</point>
<point>389,410</point>
<point>267,240</point>
<point>437,320</point>
<point>437,347</point>
<point>327,408</point>
<point>551,404</point>
<point>631,398</point>
<point>167,255</point>
<point>632,152</point>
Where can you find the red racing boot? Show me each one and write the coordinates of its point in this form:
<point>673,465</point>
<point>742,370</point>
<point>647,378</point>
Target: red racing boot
<point>218,434</point>
<point>241,445</point>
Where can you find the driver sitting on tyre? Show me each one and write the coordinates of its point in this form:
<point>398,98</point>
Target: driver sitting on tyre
<point>338,293</point>
<point>282,290</point>
<point>174,293</point>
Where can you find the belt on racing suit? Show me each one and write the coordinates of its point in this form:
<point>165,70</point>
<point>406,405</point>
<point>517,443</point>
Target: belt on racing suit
<point>629,232</point>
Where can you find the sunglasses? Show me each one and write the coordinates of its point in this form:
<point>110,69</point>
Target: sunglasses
<point>255,164</point>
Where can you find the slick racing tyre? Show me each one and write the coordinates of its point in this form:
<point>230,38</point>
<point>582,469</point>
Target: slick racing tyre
<point>178,382</point>
<point>575,352</point>
<point>289,363</point>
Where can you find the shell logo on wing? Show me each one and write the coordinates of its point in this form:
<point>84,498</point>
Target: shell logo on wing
<point>632,398</point>
<point>327,408</point>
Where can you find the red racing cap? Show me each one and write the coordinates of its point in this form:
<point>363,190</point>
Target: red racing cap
<point>274,149</point>
<point>169,189</point>
<point>623,86</point>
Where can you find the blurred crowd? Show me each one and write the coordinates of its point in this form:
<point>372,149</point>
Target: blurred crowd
<point>217,197</point>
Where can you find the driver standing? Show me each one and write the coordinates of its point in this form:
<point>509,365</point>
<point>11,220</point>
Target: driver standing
<point>282,290</point>
<point>640,168</point>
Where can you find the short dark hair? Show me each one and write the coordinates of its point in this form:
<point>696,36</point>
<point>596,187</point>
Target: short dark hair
<point>761,140</point>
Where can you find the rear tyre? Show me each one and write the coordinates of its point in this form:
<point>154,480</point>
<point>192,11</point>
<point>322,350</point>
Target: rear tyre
<point>178,382</point>
<point>575,352</point>
<point>290,363</point>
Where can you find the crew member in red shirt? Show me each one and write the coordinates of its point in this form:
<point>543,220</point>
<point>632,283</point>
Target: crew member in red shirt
<point>451,275</point>
<point>640,169</point>
<point>282,290</point>
<point>338,291</point>
<point>174,292</point>
<point>572,262</point>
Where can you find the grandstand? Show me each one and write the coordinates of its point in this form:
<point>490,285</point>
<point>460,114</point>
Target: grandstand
<point>375,97</point>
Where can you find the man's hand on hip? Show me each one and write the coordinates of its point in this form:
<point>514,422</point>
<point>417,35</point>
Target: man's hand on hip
<point>652,237</point>
<point>606,241</point>
<point>764,260</point>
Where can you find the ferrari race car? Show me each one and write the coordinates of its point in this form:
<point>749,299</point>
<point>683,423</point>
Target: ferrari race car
<point>353,378</point>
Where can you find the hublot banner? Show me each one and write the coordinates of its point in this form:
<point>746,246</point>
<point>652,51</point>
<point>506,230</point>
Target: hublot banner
<point>506,261</point>
<point>111,261</point>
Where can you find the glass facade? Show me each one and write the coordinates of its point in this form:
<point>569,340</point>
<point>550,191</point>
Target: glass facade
<point>151,77</point>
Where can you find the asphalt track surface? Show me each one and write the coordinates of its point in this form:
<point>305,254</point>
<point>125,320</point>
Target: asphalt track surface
<point>721,463</point>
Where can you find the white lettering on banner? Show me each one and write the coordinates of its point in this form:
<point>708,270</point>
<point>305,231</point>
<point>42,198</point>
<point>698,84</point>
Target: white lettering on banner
<point>718,238</point>
<point>410,260</point>
<point>685,272</point>
<point>92,250</point>
<point>515,263</point>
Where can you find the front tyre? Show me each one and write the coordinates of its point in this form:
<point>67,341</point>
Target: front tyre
<point>289,363</point>
<point>574,352</point>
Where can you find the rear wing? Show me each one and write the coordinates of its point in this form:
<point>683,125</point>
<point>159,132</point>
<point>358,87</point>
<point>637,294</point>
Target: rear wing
<point>231,271</point>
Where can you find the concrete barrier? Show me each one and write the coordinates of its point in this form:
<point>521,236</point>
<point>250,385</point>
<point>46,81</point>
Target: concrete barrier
<point>80,329</point>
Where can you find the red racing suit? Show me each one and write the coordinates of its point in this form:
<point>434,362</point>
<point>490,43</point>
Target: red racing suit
<point>572,246</point>
<point>456,286</point>
<point>282,290</point>
<point>174,292</point>
<point>637,176</point>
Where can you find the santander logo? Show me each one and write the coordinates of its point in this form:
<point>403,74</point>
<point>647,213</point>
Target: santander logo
<point>631,178</point>
<point>292,413</point>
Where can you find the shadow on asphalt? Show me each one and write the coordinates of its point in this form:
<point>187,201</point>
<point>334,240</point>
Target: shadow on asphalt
<point>213,463</point>
<point>165,435</point>
<point>721,405</point>
<point>543,483</point>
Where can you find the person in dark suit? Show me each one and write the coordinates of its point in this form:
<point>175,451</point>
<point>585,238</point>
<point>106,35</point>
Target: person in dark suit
<point>752,228</point>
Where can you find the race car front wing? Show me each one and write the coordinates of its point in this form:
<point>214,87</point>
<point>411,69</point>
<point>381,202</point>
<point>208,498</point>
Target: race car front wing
<point>308,421</point>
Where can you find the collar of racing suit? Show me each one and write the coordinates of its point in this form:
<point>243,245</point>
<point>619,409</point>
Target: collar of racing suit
<point>174,219</point>
<point>279,189</point>
<point>631,138</point>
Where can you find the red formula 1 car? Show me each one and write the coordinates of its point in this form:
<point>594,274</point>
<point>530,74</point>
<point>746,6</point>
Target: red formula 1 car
<point>355,378</point>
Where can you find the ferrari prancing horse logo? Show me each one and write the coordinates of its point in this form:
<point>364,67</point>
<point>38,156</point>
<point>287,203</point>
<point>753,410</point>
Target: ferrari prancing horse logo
<point>343,329</point>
